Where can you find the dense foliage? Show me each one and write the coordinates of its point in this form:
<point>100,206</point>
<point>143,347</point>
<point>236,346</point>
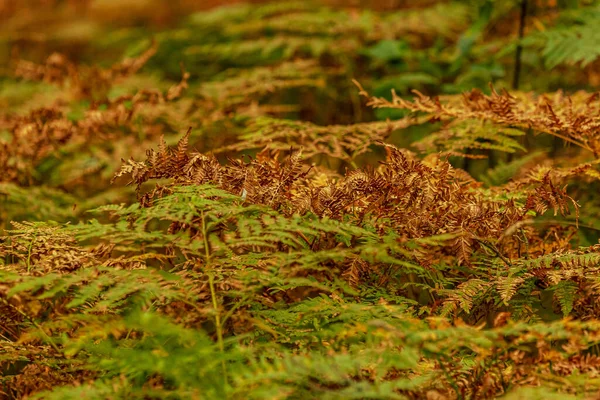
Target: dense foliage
<point>300,200</point>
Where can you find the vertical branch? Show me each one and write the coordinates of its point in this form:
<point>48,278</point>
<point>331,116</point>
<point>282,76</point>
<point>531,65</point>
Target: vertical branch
<point>516,76</point>
<point>518,53</point>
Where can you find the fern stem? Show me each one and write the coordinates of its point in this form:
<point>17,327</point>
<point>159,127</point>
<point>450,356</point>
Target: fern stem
<point>213,295</point>
<point>38,327</point>
<point>520,224</point>
<point>29,249</point>
<point>451,380</point>
<point>495,250</point>
<point>237,305</point>
<point>205,238</point>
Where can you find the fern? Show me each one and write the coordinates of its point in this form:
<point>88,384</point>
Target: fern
<point>572,41</point>
<point>212,213</point>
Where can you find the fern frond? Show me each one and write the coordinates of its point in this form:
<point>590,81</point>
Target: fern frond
<point>573,119</point>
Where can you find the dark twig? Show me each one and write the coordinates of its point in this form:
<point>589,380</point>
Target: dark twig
<point>495,250</point>
<point>519,51</point>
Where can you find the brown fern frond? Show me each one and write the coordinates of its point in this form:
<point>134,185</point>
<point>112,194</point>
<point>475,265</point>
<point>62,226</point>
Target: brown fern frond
<point>86,82</point>
<point>572,118</point>
<point>344,142</point>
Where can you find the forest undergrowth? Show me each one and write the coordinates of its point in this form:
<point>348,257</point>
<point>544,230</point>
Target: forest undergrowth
<point>300,200</point>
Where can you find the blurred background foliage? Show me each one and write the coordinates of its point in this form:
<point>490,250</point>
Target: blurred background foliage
<point>286,60</point>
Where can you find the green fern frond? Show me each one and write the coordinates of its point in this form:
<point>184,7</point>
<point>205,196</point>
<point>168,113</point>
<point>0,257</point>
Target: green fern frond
<point>565,292</point>
<point>572,41</point>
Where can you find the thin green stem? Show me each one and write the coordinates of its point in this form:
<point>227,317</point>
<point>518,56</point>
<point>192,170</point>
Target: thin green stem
<point>29,253</point>
<point>32,321</point>
<point>213,295</point>
<point>237,305</point>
